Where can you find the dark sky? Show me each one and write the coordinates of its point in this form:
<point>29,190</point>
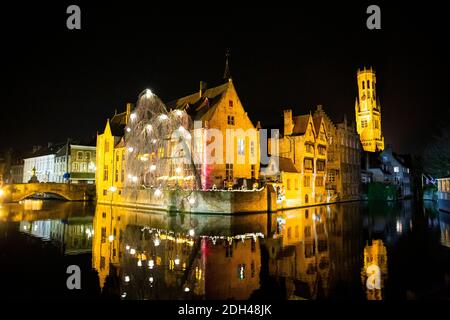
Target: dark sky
<point>59,83</point>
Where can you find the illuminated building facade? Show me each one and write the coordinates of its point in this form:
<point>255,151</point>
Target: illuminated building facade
<point>305,142</point>
<point>75,163</point>
<point>218,108</point>
<point>343,158</point>
<point>368,112</point>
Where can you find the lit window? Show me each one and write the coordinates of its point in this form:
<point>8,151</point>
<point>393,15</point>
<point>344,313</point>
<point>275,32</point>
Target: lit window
<point>230,103</point>
<point>241,147</point>
<point>396,169</point>
<point>231,120</point>
<point>241,271</point>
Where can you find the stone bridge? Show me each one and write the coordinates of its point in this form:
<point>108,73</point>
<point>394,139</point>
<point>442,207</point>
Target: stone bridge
<point>70,192</point>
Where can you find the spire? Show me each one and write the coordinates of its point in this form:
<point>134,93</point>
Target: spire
<point>227,74</point>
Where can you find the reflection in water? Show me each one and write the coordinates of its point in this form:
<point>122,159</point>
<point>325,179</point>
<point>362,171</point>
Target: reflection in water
<point>346,251</point>
<point>143,255</point>
<point>375,269</point>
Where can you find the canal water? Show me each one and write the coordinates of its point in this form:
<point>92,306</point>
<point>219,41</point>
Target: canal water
<point>354,251</point>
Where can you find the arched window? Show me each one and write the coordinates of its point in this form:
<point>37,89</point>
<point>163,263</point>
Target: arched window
<point>306,198</point>
<point>368,84</point>
<point>363,85</point>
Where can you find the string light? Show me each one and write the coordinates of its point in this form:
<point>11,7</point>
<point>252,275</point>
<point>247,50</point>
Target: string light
<point>152,167</point>
<point>163,117</point>
<point>158,192</point>
<point>128,129</point>
<point>132,251</point>
<point>130,149</point>
<point>133,116</point>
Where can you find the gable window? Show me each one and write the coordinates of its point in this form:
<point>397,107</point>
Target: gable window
<point>307,182</point>
<point>252,148</point>
<point>241,147</point>
<point>231,120</point>
<point>308,164</point>
<point>230,103</point>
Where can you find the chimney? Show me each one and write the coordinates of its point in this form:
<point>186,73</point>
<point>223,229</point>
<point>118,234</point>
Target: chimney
<point>203,86</point>
<point>288,123</point>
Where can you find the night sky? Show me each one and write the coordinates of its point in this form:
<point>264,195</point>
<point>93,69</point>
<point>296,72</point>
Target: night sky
<point>59,83</point>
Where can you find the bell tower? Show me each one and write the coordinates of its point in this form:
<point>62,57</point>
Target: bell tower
<point>368,112</point>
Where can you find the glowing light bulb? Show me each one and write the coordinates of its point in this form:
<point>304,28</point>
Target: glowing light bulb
<point>148,93</point>
<point>154,141</point>
<point>130,149</point>
<point>191,200</point>
<point>158,192</point>
<point>2,192</point>
<point>113,189</point>
<point>177,261</point>
<point>152,167</point>
<point>127,247</point>
<point>133,116</point>
<point>186,289</point>
<point>179,112</point>
<point>132,251</point>
<point>157,242</point>
<point>151,264</point>
<point>128,129</point>
<point>124,295</point>
<point>134,179</point>
<point>111,238</point>
<point>178,170</point>
<point>163,117</point>
<point>191,232</point>
<point>127,279</point>
<point>139,263</point>
<point>149,127</point>
<point>150,279</point>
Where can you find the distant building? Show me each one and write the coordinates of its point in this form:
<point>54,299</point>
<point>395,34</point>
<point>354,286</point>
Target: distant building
<point>390,168</point>
<point>344,157</point>
<point>368,112</point>
<point>42,159</point>
<point>16,172</point>
<point>444,194</point>
<point>75,163</point>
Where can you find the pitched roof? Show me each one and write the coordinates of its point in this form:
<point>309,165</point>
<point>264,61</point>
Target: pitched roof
<point>44,151</point>
<point>201,107</point>
<point>300,124</point>
<point>118,123</point>
<point>287,165</point>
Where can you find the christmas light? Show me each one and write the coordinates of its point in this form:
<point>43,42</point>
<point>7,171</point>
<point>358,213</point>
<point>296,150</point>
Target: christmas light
<point>113,189</point>
<point>130,149</point>
<point>149,127</point>
<point>158,192</point>
<point>191,232</point>
<point>163,117</point>
<point>127,279</point>
<point>148,93</point>
<point>191,200</point>
<point>177,261</point>
<point>156,242</point>
<point>133,116</point>
<point>151,263</point>
<point>132,251</point>
<point>127,247</point>
<point>111,238</point>
<point>152,167</point>
<point>150,279</point>
<point>128,129</point>
<point>139,263</point>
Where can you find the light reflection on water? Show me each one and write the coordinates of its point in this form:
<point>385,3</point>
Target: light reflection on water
<point>345,251</point>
